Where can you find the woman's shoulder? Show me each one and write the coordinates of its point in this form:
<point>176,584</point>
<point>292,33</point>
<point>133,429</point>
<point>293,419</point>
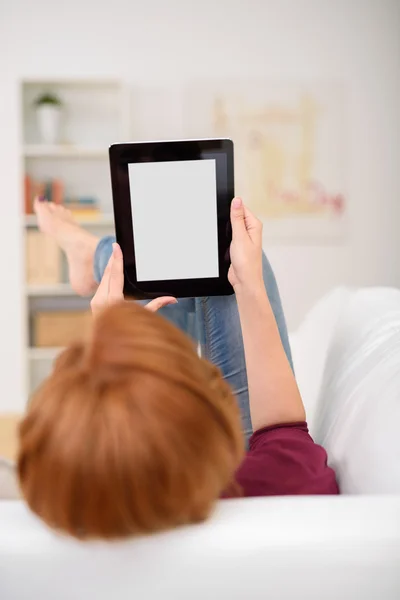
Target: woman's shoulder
<point>284,460</point>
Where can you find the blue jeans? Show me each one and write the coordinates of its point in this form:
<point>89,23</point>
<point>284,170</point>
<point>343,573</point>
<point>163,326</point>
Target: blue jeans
<point>214,322</point>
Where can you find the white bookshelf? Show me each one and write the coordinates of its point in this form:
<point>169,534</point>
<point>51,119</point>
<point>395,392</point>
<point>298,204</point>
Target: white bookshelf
<point>95,115</point>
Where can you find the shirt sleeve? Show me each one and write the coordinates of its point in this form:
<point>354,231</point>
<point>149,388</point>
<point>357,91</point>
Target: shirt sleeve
<point>284,460</point>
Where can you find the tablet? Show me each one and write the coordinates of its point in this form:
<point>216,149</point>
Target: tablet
<point>172,216</point>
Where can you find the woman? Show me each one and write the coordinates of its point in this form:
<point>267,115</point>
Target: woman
<point>134,433</point>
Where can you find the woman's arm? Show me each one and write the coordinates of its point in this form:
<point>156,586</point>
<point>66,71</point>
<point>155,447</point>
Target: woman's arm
<point>274,395</point>
<point>273,392</point>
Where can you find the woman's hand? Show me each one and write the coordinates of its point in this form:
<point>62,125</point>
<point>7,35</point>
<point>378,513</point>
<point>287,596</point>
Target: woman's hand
<point>111,288</point>
<point>246,248</point>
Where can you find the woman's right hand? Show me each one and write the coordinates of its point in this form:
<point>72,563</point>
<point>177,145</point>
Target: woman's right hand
<point>245,271</point>
<point>111,288</point>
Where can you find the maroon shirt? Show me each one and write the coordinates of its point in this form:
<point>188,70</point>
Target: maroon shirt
<point>284,460</point>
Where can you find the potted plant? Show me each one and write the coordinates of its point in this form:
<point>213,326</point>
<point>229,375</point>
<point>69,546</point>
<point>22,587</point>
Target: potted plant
<point>48,111</point>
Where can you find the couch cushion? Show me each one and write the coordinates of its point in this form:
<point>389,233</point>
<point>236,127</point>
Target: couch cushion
<point>310,345</point>
<point>358,412</point>
<point>324,547</point>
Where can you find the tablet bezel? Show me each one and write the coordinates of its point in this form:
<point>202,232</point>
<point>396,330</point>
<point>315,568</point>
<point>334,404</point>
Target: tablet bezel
<point>121,155</point>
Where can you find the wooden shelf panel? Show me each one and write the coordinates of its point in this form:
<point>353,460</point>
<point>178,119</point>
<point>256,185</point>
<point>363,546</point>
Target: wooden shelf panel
<point>35,353</point>
<point>103,220</point>
<point>61,151</point>
<point>56,289</point>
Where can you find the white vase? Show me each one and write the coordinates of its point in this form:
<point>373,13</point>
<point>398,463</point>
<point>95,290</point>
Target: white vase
<point>48,118</point>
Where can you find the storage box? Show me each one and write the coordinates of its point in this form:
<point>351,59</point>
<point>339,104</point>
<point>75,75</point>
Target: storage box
<point>59,328</point>
<point>43,259</point>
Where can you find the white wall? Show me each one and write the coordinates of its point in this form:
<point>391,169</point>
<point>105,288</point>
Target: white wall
<point>165,41</point>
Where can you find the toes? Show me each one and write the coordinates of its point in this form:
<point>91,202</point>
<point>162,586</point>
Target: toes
<point>55,210</point>
<point>39,204</point>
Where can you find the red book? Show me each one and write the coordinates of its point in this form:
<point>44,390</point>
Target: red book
<point>28,195</point>
<point>57,191</point>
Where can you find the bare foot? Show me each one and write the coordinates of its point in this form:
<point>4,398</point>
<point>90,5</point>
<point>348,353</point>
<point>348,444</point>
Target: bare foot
<point>78,244</point>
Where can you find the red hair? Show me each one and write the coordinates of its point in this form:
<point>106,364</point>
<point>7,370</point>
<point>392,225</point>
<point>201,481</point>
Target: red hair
<point>132,433</point>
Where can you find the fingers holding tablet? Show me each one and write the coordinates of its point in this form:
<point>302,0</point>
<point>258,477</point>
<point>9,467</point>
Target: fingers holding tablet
<point>111,287</point>
<point>158,303</point>
<point>110,290</point>
<point>246,246</point>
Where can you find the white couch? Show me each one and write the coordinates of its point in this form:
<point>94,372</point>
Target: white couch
<point>347,359</point>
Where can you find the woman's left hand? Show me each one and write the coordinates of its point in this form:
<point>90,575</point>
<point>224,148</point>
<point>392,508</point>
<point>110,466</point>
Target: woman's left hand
<point>111,288</point>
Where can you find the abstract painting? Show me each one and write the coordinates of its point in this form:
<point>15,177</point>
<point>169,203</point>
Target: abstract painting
<point>289,150</point>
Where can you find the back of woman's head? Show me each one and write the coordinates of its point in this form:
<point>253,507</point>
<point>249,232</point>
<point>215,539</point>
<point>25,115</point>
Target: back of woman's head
<point>132,433</point>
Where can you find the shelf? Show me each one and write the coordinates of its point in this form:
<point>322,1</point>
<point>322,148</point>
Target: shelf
<point>43,353</point>
<point>103,220</point>
<point>56,289</point>
<point>98,113</point>
<point>64,151</point>
<point>73,82</point>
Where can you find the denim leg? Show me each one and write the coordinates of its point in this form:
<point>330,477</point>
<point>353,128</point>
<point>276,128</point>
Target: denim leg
<point>182,314</point>
<point>102,256</point>
<point>223,343</point>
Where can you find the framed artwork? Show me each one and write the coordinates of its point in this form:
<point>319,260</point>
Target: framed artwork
<point>290,150</point>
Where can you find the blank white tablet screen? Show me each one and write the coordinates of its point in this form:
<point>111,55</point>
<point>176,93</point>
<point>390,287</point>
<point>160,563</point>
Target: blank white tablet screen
<point>174,213</point>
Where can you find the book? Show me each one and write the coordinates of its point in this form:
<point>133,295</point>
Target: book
<point>84,208</point>
<point>85,215</point>
<point>28,207</point>
<point>48,188</point>
<point>57,191</point>
<point>32,189</point>
<point>52,190</point>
